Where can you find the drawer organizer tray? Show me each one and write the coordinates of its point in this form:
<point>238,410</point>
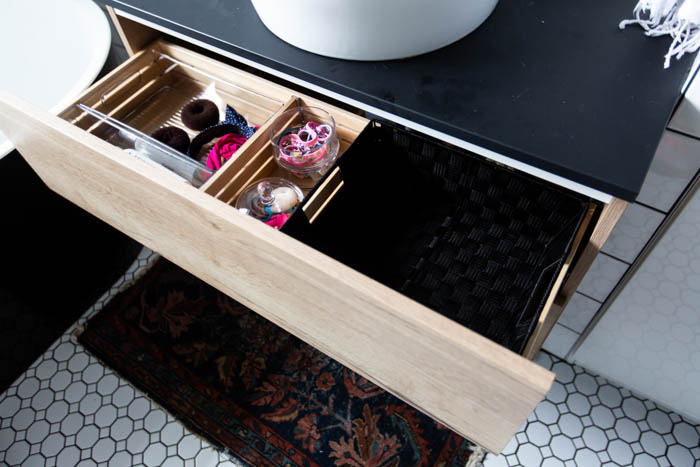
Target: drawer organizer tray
<point>152,95</point>
<point>476,242</point>
<point>468,383</point>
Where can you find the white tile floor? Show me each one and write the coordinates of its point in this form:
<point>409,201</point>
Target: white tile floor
<point>632,232</point>
<point>586,421</point>
<point>579,312</point>
<point>602,278</point>
<point>68,409</point>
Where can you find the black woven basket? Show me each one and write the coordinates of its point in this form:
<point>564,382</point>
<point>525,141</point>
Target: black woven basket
<point>478,243</point>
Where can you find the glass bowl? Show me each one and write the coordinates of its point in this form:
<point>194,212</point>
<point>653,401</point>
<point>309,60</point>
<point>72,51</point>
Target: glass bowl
<point>305,141</point>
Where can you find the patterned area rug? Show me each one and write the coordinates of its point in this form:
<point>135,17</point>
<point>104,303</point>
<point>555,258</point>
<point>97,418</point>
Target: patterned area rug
<point>253,389</point>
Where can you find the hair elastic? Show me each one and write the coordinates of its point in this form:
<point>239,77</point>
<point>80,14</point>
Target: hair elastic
<point>224,149</point>
<point>233,123</point>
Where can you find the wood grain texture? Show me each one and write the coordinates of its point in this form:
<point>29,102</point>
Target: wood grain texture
<point>116,86</point>
<point>325,192</point>
<point>470,384</point>
<point>134,36</point>
<point>255,84</point>
<point>256,160</point>
<point>590,247</point>
<point>552,311</point>
<point>609,216</point>
<point>149,90</point>
<point>247,155</point>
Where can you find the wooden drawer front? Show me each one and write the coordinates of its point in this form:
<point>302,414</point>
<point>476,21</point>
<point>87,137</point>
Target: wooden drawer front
<point>466,382</point>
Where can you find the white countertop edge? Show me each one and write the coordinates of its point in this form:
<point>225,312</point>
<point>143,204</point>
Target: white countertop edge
<point>489,154</point>
<point>104,43</point>
<point>691,75</point>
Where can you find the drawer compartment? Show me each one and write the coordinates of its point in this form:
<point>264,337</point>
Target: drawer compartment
<point>478,388</point>
<point>151,92</point>
<point>476,242</point>
<point>257,161</point>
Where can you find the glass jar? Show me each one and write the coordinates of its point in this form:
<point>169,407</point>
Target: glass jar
<point>305,141</point>
<point>271,200</point>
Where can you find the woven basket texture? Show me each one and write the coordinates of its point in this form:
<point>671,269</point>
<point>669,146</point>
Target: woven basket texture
<point>477,242</point>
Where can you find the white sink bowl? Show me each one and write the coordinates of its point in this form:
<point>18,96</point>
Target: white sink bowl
<point>372,29</point>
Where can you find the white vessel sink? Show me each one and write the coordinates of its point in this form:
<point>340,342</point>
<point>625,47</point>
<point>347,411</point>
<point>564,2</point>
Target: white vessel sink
<point>372,29</point>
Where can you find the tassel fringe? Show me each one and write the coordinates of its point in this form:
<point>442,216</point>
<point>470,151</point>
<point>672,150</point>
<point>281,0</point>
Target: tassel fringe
<point>477,457</point>
<point>685,34</point>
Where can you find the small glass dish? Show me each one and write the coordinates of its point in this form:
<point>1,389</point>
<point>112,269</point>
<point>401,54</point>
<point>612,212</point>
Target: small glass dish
<point>305,141</point>
<point>271,200</point>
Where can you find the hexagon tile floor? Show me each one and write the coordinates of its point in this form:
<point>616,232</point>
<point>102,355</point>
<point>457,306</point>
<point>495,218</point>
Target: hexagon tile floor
<point>586,421</point>
<point>68,409</point>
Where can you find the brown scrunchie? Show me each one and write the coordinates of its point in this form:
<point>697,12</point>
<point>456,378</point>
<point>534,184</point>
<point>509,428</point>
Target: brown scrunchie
<point>200,114</point>
<point>174,137</point>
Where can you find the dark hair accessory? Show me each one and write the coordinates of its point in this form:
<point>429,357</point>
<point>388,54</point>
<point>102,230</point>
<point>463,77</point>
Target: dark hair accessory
<point>233,123</point>
<point>200,114</point>
<point>174,137</point>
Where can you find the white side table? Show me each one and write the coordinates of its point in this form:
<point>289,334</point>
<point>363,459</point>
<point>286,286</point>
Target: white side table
<point>50,51</point>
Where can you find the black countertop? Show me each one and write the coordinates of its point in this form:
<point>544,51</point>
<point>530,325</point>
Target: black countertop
<point>552,83</point>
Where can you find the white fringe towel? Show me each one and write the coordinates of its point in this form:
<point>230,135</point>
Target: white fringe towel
<point>678,18</point>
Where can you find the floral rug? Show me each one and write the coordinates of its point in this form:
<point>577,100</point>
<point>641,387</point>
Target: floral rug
<point>252,388</point>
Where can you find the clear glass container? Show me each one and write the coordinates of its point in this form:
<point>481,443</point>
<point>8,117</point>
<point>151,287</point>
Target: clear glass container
<point>305,141</point>
<point>271,200</point>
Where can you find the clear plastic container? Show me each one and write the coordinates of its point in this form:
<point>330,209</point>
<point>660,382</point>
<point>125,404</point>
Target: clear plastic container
<point>271,200</point>
<point>305,141</point>
<point>151,150</point>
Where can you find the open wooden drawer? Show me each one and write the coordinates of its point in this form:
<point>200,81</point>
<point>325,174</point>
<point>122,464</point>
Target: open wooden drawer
<point>472,385</point>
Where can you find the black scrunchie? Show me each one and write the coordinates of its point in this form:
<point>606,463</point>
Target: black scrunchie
<point>233,123</point>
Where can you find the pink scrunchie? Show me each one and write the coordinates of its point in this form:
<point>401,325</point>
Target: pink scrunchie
<point>224,149</point>
<point>278,220</point>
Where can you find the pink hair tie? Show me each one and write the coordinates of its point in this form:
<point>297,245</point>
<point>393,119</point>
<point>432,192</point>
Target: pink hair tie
<point>290,140</point>
<point>224,148</point>
<point>307,137</point>
<point>324,132</point>
<point>278,220</point>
